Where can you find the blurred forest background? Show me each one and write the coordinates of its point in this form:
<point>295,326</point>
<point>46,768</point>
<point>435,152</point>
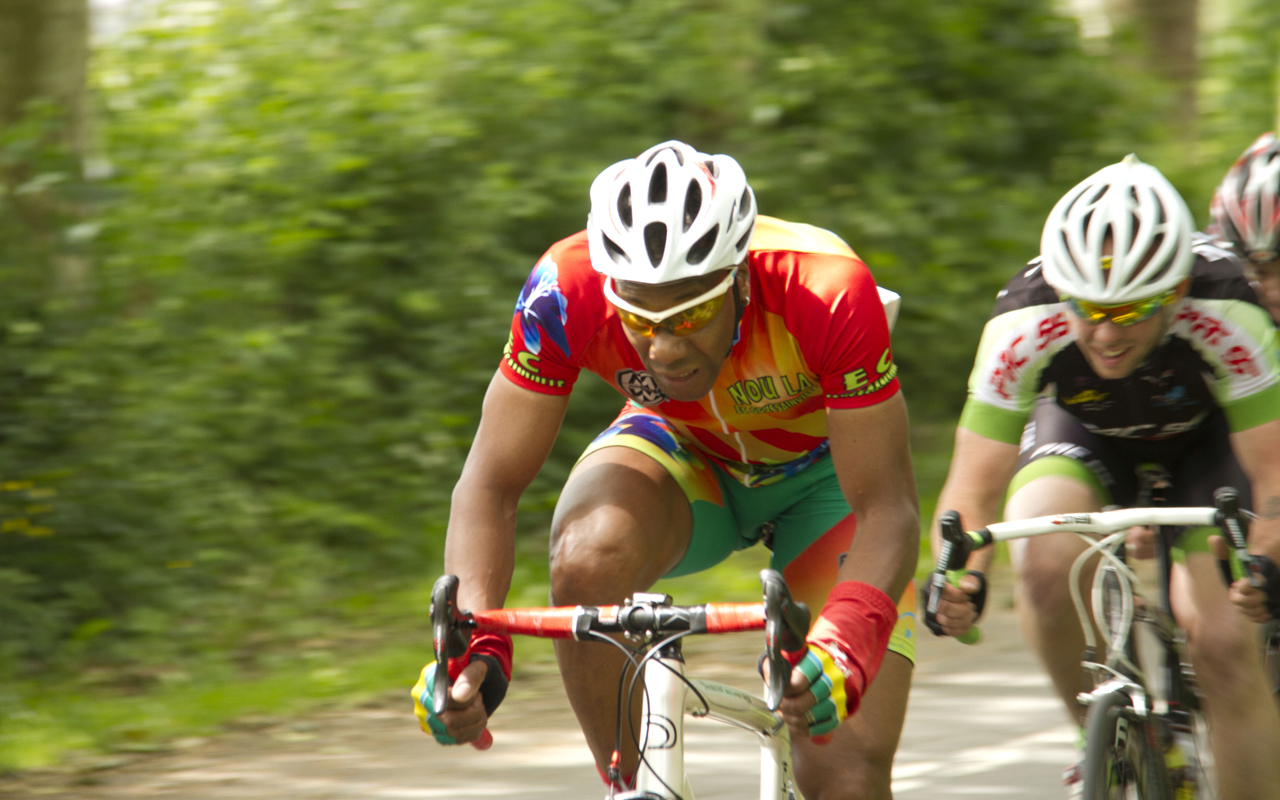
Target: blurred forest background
<point>257,259</point>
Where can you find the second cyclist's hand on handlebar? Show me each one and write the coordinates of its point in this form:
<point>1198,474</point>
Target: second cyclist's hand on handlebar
<point>957,610</point>
<point>464,721</point>
<point>1253,602</point>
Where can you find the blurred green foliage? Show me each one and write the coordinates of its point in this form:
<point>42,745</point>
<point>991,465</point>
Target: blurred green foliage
<point>240,374</point>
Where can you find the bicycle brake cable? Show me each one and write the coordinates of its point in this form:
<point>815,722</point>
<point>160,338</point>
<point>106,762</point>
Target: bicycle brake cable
<point>654,651</point>
<point>630,653</point>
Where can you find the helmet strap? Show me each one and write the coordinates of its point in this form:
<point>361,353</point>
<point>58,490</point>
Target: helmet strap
<point>739,309</point>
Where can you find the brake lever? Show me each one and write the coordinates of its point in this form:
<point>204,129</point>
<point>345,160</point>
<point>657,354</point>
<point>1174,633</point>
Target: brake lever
<point>785,626</point>
<point>1235,527</point>
<point>450,634</point>
<point>949,569</point>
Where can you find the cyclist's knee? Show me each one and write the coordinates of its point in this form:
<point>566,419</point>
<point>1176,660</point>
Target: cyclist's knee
<point>1223,653</point>
<point>1052,494</point>
<point>861,778</point>
<point>602,555</point>
<point>591,560</point>
<point>1044,574</point>
<point>856,765</point>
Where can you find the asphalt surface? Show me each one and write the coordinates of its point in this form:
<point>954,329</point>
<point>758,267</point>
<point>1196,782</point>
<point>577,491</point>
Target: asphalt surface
<point>981,723</point>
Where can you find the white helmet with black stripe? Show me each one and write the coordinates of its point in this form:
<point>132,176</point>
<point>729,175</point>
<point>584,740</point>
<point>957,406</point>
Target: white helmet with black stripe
<point>1138,211</point>
<point>670,213</point>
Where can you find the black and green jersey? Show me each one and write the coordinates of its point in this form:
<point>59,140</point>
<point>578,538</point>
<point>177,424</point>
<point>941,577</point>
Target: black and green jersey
<point>1219,353</point>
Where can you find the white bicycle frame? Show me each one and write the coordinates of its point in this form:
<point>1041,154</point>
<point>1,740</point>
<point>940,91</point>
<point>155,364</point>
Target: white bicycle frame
<point>667,701</point>
<point>1148,698</point>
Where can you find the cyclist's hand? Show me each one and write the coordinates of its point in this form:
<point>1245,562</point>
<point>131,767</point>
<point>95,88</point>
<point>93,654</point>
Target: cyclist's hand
<point>1140,542</point>
<point>1259,605</point>
<point>843,653</point>
<point>960,607</point>
<point>479,681</point>
<point>465,719</point>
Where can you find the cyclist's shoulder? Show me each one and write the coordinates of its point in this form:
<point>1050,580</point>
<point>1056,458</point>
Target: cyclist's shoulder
<point>564,271</point>
<point>1027,288</point>
<point>572,258</point>
<point>804,269</point>
<point>777,235</point>
<point>1217,274</point>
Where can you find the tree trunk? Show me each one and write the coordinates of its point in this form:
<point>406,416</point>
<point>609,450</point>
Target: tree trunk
<point>1167,31</point>
<point>44,53</point>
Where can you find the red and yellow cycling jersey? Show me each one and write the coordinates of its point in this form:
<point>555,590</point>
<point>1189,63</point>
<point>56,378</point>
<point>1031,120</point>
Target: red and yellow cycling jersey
<point>813,337</point>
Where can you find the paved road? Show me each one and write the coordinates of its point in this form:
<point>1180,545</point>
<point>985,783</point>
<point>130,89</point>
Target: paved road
<point>981,723</point>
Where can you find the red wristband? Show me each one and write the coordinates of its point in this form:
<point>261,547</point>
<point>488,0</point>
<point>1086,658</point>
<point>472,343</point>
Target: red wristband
<point>854,628</point>
<point>495,645</point>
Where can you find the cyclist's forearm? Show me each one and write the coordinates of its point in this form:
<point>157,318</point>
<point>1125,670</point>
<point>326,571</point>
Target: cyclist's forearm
<point>887,558</point>
<point>977,510</point>
<point>480,545</point>
<point>980,471</point>
<point>1264,535</point>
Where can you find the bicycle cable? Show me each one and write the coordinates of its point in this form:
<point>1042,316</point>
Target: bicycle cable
<point>630,653</point>
<point>1131,578</point>
<point>654,651</point>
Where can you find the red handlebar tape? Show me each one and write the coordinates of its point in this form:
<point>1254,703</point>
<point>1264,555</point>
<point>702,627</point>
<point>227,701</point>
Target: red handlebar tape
<point>544,623</point>
<point>558,623</point>
<point>731,617</point>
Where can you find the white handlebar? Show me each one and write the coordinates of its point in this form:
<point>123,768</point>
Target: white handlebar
<point>1102,521</point>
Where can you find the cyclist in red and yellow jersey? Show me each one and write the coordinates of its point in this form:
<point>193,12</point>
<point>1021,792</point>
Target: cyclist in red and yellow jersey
<point>762,404</point>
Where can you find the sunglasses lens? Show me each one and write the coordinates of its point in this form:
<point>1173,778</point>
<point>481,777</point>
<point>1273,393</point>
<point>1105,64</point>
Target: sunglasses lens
<point>637,323</point>
<point>695,319</point>
<point>1123,315</point>
<point>691,320</point>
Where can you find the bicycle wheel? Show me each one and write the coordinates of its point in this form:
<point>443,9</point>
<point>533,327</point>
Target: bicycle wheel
<point>1124,755</point>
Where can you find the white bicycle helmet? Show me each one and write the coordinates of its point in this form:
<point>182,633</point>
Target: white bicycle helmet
<point>1246,206</point>
<point>1147,221</point>
<point>670,213</point>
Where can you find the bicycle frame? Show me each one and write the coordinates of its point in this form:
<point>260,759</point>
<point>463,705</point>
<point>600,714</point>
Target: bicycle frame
<point>668,700</point>
<point>1143,681</point>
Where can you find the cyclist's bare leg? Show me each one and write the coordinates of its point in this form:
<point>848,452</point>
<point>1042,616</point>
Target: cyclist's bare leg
<point>858,762</point>
<point>1043,567</point>
<point>1244,724</point>
<point>621,523</point>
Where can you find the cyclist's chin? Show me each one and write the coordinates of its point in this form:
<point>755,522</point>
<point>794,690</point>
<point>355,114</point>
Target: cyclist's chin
<point>1118,366</point>
<point>687,387</point>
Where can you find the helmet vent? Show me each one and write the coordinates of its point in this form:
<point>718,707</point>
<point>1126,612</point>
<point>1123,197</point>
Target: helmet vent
<point>744,205</point>
<point>615,252</point>
<point>658,184</point>
<point>1151,253</point>
<point>711,167</point>
<point>702,248</point>
<point>746,238</point>
<point>692,204</point>
<point>624,205</point>
<point>655,241</point>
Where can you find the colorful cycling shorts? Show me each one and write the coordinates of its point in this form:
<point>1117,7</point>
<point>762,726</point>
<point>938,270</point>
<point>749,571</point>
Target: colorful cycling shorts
<point>803,518</point>
<point>1200,461</point>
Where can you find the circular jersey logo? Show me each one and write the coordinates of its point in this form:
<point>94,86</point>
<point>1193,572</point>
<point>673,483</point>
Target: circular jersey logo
<point>640,387</point>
